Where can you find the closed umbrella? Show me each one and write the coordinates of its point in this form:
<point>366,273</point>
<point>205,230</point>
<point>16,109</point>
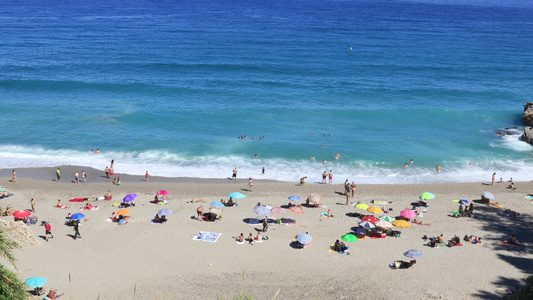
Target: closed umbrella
<point>407,213</point>
<point>165,212</point>
<point>315,198</point>
<point>129,198</point>
<point>304,239</point>
<point>35,282</point>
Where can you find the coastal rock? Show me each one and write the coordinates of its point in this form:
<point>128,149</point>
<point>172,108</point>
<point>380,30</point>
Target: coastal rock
<point>528,113</point>
<point>18,232</point>
<point>528,135</point>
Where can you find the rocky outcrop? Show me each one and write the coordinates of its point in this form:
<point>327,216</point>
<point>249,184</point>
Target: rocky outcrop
<point>528,135</point>
<point>18,232</point>
<point>528,113</point>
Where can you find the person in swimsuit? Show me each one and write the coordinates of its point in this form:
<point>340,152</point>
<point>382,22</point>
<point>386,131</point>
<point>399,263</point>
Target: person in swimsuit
<point>83,175</point>
<point>251,185</point>
<point>58,174</point>
<point>352,186</point>
<point>146,176</point>
<point>14,179</point>
<point>234,176</point>
<point>330,177</point>
<point>200,212</point>
<point>324,175</point>
<point>32,202</point>
<point>106,172</point>
<point>76,177</point>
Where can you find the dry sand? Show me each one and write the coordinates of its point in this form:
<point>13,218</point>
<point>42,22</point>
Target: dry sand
<point>144,261</point>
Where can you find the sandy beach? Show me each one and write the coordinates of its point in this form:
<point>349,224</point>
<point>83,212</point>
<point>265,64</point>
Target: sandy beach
<point>140,260</point>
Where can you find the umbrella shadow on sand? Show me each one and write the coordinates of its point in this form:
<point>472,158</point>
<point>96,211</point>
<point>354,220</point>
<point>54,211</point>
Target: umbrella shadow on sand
<point>296,245</point>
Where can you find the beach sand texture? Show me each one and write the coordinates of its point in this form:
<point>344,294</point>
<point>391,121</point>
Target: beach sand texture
<point>144,261</point>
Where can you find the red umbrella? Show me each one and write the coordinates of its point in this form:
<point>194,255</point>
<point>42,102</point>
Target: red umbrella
<point>407,213</point>
<point>22,214</point>
<point>162,192</point>
<point>370,219</point>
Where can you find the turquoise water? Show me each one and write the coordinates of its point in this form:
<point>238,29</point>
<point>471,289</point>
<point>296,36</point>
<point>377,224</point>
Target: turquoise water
<point>169,87</point>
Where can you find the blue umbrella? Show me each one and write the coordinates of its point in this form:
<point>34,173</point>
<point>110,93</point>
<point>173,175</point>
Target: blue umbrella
<point>262,210</point>
<point>77,216</point>
<point>295,198</point>
<point>464,200</point>
<point>360,230</point>
<point>129,198</point>
<point>165,212</point>
<point>236,195</point>
<point>36,281</point>
<point>413,254</point>
<point>367,225</point>
<point>304,238</point>
<point>217,204</point>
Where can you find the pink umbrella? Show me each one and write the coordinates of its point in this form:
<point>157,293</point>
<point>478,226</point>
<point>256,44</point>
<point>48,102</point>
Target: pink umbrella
<point>162,192</point>
<point>407,213</point>
<point>21,214</point>
<point>277,210</point>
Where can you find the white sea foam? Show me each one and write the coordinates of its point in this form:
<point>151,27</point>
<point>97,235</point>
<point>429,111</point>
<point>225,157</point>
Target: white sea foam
<point>167,164</point>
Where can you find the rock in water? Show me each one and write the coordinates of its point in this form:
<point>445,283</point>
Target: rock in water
<point>528,135</point>
<point>528,113</point>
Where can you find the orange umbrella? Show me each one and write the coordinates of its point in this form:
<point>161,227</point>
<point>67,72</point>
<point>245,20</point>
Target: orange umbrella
<point>123,212</point>
<point>375,209</point>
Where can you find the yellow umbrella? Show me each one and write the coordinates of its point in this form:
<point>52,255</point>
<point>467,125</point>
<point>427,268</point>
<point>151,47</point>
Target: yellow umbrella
<point>401,223</point>
<point>123,212</point>
<point>361,206</point>
<point>375,209</point>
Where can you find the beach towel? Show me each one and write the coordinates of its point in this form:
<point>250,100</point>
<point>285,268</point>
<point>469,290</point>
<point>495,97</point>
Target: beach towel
<point>507,243</point>
<point>78,199</point>
<point>154,222</point>
<point>495,205</point>
<point>93,208</point>
<point>206,236</point>
<point>421,224</point>
<point>296,210</point>
<point>527,197</point>
<point>62,206</point>
<point>325,215</point>
<point>341,252</point>
<point>240,243</point>
<point>2,197</point>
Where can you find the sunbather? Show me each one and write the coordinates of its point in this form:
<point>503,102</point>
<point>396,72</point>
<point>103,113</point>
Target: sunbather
<point>512,240</point>
<point>455,240</point>
<point>157,219</point>
<point>108,195</point>
<point>240,238</point>
<point>196,201</point>
<point>250,238</point>
<point>415,221</point>
<point>52,294</point>
<point>511,213</point>
<point>339,246</point>
<point>259,237</point>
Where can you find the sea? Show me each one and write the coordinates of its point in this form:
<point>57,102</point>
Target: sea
<point>197,88</point>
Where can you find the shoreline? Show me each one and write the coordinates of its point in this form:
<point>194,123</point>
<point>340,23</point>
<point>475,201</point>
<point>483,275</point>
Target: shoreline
<point>152,258</point>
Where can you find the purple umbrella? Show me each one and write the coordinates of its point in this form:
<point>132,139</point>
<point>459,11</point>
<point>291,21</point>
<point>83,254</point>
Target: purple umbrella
<point>129,198</point>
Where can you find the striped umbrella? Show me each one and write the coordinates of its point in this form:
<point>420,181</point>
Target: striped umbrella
<point>414,254</point>
<point>387,219</point>
<point>383,224</point>
<point>367,225</point>
<point>304,238</point>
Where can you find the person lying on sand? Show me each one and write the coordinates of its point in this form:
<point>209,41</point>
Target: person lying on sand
<point>52,294</point>
<point>455,240</point>
<point>473,239</point>
<point>511,213</point>
<point>88,207</point>
<point>415,221</point>
<point>196,201</point>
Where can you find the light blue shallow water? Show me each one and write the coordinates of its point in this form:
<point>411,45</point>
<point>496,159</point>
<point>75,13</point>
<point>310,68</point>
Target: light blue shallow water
<point>168,87</point>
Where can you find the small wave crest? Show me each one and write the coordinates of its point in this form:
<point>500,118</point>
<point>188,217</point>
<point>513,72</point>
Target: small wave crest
<point>168,164</point>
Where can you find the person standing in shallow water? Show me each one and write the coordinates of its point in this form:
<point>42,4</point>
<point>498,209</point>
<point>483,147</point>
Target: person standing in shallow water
<point>234,175</point>
<point>330,177</point>
<point>324,176</point>
<point>58,175</point>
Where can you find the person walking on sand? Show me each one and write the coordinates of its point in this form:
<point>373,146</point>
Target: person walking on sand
<point>493,177</point>
<point>14,179</point>
<point>437,169</point>
<point>146,176</point>
<point>324,175</point>
<point>330,177</point>
<point>48,231</point>
<point>76,177</point>
<point>106,170</point>
<point>32,203</point>
<point>77,229</point>
<point>83,176</point>
<point>58,175</point>
<point>251,185</point>
<point>234,175</point>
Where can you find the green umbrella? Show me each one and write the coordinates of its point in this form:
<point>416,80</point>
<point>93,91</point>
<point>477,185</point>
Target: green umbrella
<point>426,196</point>
<point>349,238</point>
<point>387,219</point>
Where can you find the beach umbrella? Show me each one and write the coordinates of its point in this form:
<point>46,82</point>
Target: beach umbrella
<point>370,219</point>
<point>407,213</point>
<point>129,198</point>
<point>362,206</point>
<point>35,282</point>
<point>236,195</point>
<point>165,212</point>
<point>366,225</point>
<point>401,223</point>
<point>21,214</point>
<point>162,192</point>
<point>488,195</point>
<point>123,212</point>
<point>295,198</point>
<point>387,219</point>
<point>414,254</point>
<point>277,210</point>
<point>315,198</point>
<point>375,210</point>
<point>262,210</point>
<point>360,230</point>
<point>463,200</point>
<point>216,210</point>
<point>2,189</point>
<point>217,204</point>
<point>383,224</point>
<point>304,239</point>
<point>349,237</point>
<point>426,196</point>
<point>77,216</point>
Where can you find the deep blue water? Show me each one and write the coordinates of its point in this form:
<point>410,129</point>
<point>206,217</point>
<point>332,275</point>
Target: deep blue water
<point>168,87</point>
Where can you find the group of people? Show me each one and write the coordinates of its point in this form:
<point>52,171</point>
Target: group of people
<point>160,219</point>
<point>465,211</point>
<point>250,239</point>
